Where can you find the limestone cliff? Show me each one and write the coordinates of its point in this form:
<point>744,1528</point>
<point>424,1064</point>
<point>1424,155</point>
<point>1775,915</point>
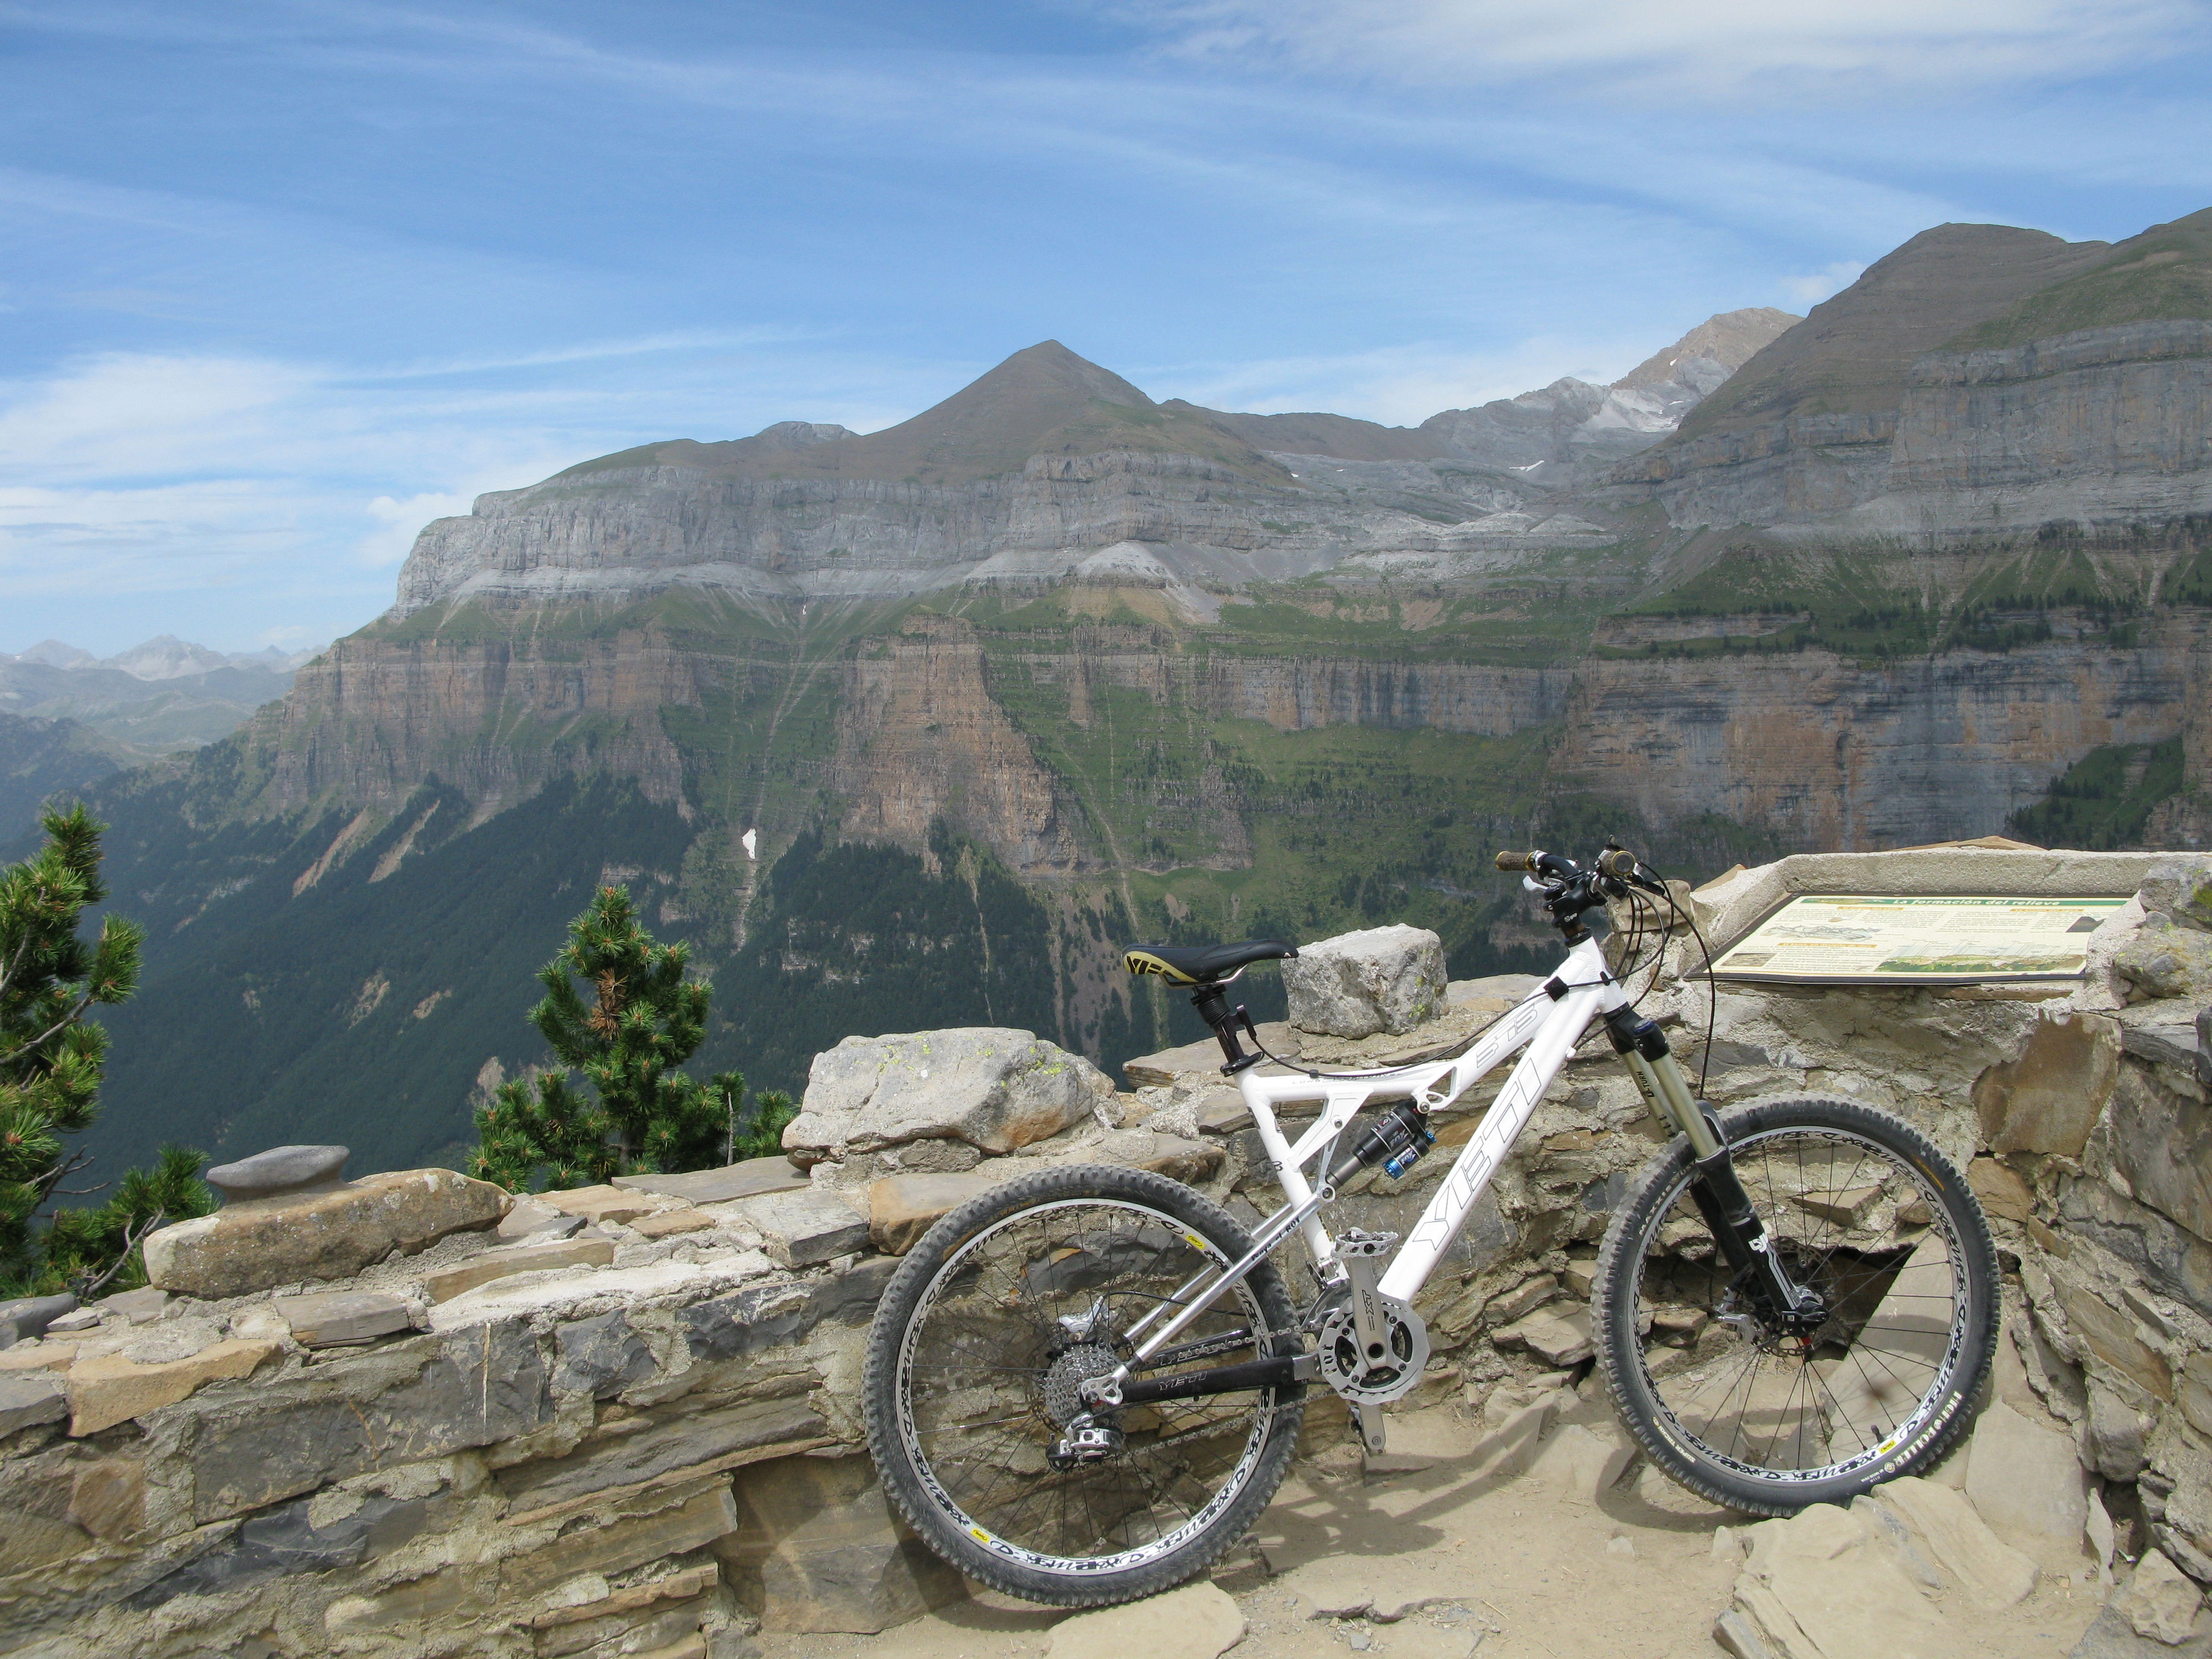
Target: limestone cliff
<point>1978,379</point>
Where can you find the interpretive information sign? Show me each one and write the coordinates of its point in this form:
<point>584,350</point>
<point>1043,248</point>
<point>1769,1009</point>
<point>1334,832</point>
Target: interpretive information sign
<point>1865,938</point>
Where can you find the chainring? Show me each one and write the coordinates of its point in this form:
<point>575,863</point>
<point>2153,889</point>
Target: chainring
<point>1374,1380</point>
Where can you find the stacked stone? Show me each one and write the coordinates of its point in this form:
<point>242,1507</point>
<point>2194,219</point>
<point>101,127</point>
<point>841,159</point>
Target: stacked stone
<point>408,1414</point>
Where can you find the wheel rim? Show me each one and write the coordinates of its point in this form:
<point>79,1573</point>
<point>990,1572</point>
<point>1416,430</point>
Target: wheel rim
<point>1853,1219</point>
<point>985,1365</point>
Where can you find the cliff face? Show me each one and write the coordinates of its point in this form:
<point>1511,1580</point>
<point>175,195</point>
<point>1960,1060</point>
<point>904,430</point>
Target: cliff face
<point>1978,379</point>
<point>1041,463</point>
<point>1829,751</point>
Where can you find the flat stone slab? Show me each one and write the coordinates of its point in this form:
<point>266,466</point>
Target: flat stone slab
<point>29,1316</point>
<point>628,1286</point>
<point>527,1218</point>
<point>1558,1339</point>
<point>279,1169</point>
<point>668,1224</point>
<point>749,1179</point>
<point>112,1389</point>
<point>260,1243</point>
<point>603,1203</point>
<point>28,1398</point>
<point>510,1260</point>
<point>801,1228</point>
<point>1203,1059</point>
<point>337,1318</point>
<point>903,1208</point>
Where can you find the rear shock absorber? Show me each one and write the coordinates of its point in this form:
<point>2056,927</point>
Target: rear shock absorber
<point>1396,1140</point>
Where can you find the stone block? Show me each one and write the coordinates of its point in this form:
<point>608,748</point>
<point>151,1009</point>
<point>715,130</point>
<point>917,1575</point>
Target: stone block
<point>54,1354</point>
<point>30,1397</point>
<point>997,1089</point>
<point>2025,1482</point>
<point>771,1315</point>
<point>2181,889</point>
<point>749,1179</point>
<point>901,1208</point>
<point>1940,1526</point>
<point>678,1442</point>
<point>622,1541</point>
<point>28,1316</point>
<point>107,1496</point>
<point>1197,1621</point>
<point>334,1233</point>
<point>1825,1584</point>
<point>527,1220</point>
<point>600,1356</point>
<point>506,1261</point>
<point>278,1170</point>
<point>2110,1434</point>
<point>401,1403</point>
<point>141,1307</point>
<point>2159,1601</point>
<point>2117,1337</point>
<point>2161,1141</point>
<point>2002,1191</point>
<point>111,1390</point>
<point>799,1230</point>
<point>2049,1097</point>
<point>818,1548</point>
<point>1558,1339</point>
<point>1521,1300</point>
<point>641,1619</point>
<point>670,1223</point>
<point>341,1318</point>
<point>284,1540</point>
<point>1377,980</point>
<point>603,1203</point>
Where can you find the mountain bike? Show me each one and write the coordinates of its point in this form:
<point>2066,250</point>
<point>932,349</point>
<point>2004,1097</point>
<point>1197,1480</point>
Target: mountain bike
<point>1083,1386</point>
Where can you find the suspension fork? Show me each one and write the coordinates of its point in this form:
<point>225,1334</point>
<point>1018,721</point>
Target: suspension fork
<point>1729,1213</point>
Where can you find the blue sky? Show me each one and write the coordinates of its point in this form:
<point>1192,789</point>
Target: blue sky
<point>279,282</point>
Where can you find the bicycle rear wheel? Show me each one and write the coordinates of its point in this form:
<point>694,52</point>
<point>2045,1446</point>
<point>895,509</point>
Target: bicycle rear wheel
<point>1861,1207</point>
<point>983,1335</point>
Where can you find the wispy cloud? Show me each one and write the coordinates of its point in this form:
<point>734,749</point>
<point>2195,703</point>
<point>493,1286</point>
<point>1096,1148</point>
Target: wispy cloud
<point>1692,51</point>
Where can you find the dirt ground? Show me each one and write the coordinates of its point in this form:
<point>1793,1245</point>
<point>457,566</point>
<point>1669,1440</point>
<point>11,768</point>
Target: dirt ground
<point>1531,1565</point>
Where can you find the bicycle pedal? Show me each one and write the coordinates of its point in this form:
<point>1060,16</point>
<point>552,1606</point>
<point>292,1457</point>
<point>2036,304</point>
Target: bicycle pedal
<point>1360,1241</point>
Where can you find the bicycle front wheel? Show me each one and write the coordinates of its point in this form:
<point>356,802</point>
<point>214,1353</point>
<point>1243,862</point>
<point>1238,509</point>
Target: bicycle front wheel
<point>1861,1207</point>
<point>982,1338</point>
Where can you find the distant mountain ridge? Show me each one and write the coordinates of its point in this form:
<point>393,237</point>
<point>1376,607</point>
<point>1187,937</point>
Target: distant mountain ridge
<point>154,699</point>
<point>1047,460</point>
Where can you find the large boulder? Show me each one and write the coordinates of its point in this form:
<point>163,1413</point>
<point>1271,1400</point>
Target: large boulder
<point>330,1233</point>
<point>995,1090</point>
<point>1378,980</point>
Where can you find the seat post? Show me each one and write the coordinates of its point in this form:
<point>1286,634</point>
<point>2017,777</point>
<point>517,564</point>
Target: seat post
<point>1213,1008</point>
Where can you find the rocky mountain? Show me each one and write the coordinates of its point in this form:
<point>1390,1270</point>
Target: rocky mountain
<point>1980,378</point>
<point>157,698</point>
<point>913,728</point>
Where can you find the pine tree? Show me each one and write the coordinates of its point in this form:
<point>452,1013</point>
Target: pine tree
<point>619,1009</point>
<point>51,1059</point>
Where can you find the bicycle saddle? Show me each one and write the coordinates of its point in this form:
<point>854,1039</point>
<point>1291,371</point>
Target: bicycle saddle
<point>1201,965</point>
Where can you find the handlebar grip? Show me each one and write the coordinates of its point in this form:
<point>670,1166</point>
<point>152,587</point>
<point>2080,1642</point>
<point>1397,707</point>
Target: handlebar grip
<point>1513,861</point>
<point>1619,863</point>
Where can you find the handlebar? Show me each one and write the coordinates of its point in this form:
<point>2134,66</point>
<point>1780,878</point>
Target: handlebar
<point>1571,889</point>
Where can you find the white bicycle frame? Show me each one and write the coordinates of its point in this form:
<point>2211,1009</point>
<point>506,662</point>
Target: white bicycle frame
<point>1550,1023</point>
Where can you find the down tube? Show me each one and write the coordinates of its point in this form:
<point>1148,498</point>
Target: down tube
<point>1509,1115</point>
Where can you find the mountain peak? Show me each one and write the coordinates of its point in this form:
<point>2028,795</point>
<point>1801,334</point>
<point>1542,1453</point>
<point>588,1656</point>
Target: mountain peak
<point>1043,399</point>
<point>1729,339</point>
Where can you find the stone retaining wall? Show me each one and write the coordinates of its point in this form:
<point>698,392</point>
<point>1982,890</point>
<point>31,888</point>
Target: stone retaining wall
<point>624,1419</point>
